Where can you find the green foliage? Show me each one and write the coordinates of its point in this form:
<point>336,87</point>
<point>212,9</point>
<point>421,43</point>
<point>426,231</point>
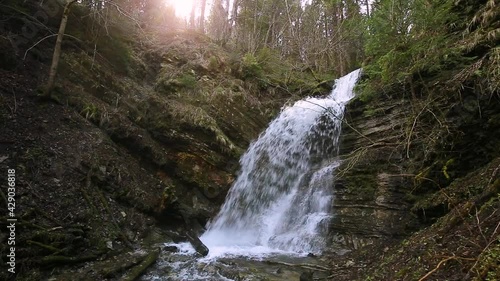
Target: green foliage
<point>171,80</point>
<point>104,38</point>
<point>403,39</point>
<point>197,117</point>
<point>115,51</point>
<point>90,111</point>
<point>187,81</point>
<point>251,67</point>
<point>213,64</point>
<point>445,168</point>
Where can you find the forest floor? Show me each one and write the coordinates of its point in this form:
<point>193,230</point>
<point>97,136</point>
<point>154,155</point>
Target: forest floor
<point>66,213</point>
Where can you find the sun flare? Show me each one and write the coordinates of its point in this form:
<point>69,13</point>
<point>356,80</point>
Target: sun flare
<point>182,7</point>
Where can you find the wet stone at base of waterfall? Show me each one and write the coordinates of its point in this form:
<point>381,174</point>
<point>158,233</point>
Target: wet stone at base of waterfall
<point>182,267</point>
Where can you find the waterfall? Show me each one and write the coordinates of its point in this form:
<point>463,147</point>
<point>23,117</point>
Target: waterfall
<point>282,196</point>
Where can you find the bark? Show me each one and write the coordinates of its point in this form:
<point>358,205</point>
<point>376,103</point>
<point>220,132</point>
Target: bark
<point>57,49</point>
<point>191,19</point>
<point>202,15</point>
<point>139,270</point>
<point>232,21</point>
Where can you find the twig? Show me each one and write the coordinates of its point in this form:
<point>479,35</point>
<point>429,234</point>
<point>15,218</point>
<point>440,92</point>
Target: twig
<point>304,265</point>
<point>342,119</point>
<point>46,37</point>
<point>492,239</point>
<point>493,175</point>
<point>479,226</point>
<point>437,267</point>
<point>93,57</point>
<point>55,228</point>
<point>411,132</point>
<point>15,101</point>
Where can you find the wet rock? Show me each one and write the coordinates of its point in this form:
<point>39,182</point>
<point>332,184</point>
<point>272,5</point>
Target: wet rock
<point>307,276</point>
<point>172,249</point>
<point>372,203</point>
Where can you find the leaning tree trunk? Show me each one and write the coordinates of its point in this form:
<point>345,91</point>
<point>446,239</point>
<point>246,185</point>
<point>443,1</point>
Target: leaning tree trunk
<point>57,49</point>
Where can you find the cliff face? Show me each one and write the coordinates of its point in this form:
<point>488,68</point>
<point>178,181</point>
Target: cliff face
<point>420,170</point>
<point>398,152</point>
<point>373,185</point>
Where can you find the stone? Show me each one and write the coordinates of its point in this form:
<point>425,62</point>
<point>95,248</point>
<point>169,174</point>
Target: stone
<point>172,249</point>
<point>306,276</point>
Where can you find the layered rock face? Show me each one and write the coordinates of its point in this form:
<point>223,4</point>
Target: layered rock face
<point>400,154</point>
<point>371,188</point>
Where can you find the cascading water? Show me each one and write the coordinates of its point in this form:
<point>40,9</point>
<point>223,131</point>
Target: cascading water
<point>282,197</point>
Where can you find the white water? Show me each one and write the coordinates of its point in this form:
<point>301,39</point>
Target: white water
<point>281,199</point>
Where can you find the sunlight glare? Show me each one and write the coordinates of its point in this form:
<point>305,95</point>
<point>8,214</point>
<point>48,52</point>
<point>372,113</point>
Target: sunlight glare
<point>182,7</point>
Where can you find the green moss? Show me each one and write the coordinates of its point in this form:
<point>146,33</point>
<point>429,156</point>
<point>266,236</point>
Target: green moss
<point>196,117</point>
<point>364,185</point>
<point>372,111</point>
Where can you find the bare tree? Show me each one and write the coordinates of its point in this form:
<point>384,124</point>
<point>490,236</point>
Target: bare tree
<point>192,16</point>
<point>202,15</point>
<point>57,49</point>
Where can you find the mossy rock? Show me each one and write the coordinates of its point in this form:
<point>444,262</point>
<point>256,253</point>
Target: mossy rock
<point>211,181</point>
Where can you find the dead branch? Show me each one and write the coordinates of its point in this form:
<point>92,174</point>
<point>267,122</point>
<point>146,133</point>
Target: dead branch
<point>303,265</point>
<point>493,175</point>
<point>411,132</point>
<point>437,267</point>
<point>342,119</point>
<point>46,37</point>
<point>492,240</point>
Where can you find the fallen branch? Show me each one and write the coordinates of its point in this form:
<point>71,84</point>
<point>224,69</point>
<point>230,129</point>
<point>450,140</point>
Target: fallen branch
<point>46,37</point>
<point>436,268</point>
<point>492,240</point>
<point>411,132</point>
<point>303,265</point>
<point>441,263</point>
<point>137,271</point>
<point>343,120</point>
<point>45,246</point>
<point>63,260</point>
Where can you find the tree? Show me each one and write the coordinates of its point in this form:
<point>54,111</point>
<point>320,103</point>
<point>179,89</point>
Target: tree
<point>403,37</point>
<point>218,22</point>
<point>202,15</point>
<point>57,49</point>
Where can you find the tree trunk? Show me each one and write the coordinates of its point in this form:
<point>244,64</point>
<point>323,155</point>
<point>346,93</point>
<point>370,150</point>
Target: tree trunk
<point>191,19</point>
<point>232,21</point>
<point>57,49</point>
<point>202,15</point>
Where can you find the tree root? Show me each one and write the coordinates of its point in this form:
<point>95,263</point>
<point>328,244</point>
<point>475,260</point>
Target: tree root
<point>63,260</point>
<point>117,268</point>
<point>45,246</point>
